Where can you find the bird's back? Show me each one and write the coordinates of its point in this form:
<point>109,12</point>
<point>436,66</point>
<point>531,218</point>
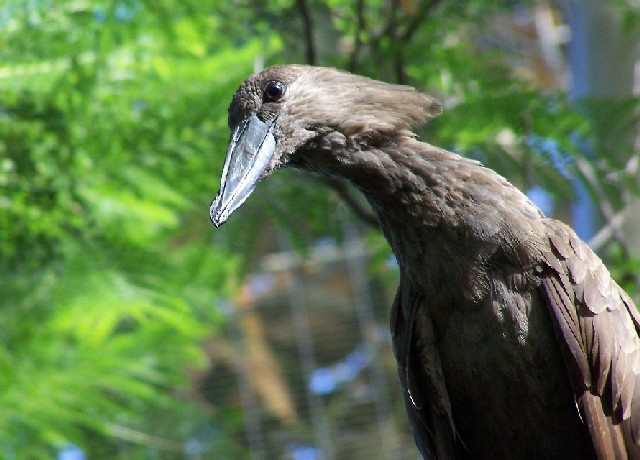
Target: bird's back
<point>511,337</point>
<point>479,276</point>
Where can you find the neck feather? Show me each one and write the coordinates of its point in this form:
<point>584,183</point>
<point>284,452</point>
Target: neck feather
<point>398,175</point>
<point>426,197</point>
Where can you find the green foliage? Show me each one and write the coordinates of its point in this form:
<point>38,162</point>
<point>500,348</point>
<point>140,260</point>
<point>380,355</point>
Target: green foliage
<point>110,115</point>
<point>624,267</point>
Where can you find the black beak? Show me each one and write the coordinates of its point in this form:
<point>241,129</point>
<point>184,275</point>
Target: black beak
<point>249,155</point>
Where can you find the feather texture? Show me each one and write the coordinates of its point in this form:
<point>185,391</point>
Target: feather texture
<point>512,339</point>
<point>605,341</point>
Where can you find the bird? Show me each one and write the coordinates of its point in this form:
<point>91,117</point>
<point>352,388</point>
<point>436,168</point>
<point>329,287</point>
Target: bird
<point>512,340</point>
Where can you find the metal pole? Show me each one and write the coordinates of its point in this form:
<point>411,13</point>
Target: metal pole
<point>355,257</point>
<point>306,354</point>
<point>248,400</point>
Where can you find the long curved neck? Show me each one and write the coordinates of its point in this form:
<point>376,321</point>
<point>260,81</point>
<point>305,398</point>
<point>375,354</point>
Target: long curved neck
<point>434,206</point>
<point>400,176</point>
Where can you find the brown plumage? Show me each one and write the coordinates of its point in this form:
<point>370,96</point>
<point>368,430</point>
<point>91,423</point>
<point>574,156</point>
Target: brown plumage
<point>512,339</point>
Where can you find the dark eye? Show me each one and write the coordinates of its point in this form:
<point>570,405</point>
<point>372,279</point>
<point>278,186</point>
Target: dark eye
<point>274,90</point>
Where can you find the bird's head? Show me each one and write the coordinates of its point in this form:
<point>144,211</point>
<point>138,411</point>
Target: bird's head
<point>278,114</point>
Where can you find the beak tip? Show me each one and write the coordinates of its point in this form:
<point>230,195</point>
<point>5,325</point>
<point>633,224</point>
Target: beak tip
<point>249,155</point>
<point>217,223</point>
<point>217,217</point>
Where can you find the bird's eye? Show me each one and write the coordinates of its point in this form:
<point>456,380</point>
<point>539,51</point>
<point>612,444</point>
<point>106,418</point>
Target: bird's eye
<point>274,90</point>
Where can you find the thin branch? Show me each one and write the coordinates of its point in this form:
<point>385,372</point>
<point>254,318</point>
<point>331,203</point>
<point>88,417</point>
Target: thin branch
<point>387,28</point>
<point>405,37</point>
<point>609,231</point>
<point>401,38</point>
<point>417,19</point>
<point>398,52</point>
<point>357,41</point>
<point>345,193</point>
<point>307,26</point>
<point>138,437</point>
<point>398,67</point>
<point>606,207</point>
<point>633,163</point>
<point>425,11</point>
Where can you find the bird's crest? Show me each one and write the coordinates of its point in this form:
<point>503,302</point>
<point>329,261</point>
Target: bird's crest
<point>355,104</point>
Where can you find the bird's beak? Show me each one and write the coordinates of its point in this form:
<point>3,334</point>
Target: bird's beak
<point>249,155</point>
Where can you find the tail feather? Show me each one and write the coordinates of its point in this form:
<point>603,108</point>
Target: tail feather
<point>611,441</point>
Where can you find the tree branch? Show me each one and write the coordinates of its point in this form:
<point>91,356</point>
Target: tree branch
<point>415,23</point>
<point>609,231</point>
<point>606,207</point>
<point>345,193</point>
<point>417,20</point>
<point>307,27</point>
<point>387,28</point>
<point>357,42</point>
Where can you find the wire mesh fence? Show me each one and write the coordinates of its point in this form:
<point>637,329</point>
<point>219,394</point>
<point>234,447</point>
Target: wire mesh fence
<point>307,359</point>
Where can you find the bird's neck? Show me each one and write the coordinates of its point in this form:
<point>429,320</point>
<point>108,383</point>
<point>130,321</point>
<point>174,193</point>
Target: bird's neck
<point>434,206</point>
<point>403,179</point>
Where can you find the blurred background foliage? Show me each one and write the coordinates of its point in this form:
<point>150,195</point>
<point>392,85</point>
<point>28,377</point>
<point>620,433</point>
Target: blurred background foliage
<point>114,289</point>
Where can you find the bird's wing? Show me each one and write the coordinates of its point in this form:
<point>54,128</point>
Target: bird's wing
<point>598,327</point>
<point>421,376</point>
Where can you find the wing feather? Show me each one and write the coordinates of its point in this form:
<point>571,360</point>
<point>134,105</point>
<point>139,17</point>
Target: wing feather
<point>598,328</point>
<point>421,376</point>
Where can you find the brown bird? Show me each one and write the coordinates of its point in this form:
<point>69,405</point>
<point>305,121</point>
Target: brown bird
<point>512,340</point>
